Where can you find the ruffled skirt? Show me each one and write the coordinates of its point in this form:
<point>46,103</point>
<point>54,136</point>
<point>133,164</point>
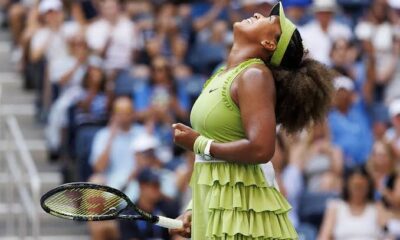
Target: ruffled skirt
<point>233,201</point>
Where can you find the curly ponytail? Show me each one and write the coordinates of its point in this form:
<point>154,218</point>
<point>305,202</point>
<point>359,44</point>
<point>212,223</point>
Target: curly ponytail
<point>304,88</point>
<point>303,94</point>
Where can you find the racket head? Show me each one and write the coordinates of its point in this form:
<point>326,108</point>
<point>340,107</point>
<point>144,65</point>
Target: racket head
<point>85,202</point>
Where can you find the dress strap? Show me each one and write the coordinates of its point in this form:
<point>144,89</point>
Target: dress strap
<point>216,73</point>
<point>231,75</point>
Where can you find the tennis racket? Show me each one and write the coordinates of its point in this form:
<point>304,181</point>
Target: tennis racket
<point>92,202</point>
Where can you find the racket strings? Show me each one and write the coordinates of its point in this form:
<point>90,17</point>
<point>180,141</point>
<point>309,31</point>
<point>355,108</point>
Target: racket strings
<point>85,203</point>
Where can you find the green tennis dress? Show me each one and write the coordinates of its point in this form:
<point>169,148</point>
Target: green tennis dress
<point>232,201</point>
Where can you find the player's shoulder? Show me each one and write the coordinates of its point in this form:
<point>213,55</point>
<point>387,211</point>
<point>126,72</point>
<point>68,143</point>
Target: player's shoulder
<point>257,74</point>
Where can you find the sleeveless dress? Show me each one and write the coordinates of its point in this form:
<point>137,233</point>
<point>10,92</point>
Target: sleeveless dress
<point>232,201</point>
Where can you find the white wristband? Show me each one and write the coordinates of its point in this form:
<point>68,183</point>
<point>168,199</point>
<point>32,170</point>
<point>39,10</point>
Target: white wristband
<point>208,147</point>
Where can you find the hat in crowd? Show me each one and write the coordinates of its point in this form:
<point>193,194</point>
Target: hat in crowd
<point>343,82</point>
<point>296,3</point>
<point>394,108</point>
<point>148,175</point>
<point>324,6</point>
<point>50,5</point>
<point>144,142</point>
<point>287,30</point>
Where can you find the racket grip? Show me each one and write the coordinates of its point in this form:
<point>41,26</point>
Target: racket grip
<point>169,223</point>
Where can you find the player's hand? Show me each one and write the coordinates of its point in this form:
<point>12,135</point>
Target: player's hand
<point>184,136</point>
<point>186,231</point>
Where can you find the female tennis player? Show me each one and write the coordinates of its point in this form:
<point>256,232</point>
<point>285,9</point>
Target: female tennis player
<point>266,82</point>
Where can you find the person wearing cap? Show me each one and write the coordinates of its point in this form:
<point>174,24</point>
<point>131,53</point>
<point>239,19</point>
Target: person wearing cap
<point>267,81</point>
<point>319,34</point>
<point>350,124</point>
<point>49,44</point>
<point>393,134</point>
<point>51,40</point>
<point>147,148</point>
<point>150,199</point>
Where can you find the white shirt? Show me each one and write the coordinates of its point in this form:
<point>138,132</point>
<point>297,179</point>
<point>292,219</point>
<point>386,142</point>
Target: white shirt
<point>381,36</point>
<point>121,160</point>
<point>318,42</point>
<point>393,226</point>
<point>56,46</point>
<point>123,41</point>
<point>351,227</point>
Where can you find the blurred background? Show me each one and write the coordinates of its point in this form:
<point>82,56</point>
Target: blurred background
<point>89,90</point>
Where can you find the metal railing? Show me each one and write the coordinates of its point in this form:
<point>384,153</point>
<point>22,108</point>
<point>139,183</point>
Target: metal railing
<point>23,191</point>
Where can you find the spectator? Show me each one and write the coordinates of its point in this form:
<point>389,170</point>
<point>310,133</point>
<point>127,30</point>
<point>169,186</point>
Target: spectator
<point>355,216</point>
<point>17,11</point>
<point>392,200</point>
<point>161,102</point>
<point>70,83</point>
<point>93,103</point>
<point>111,158</point>
<point>380,165</point>
<point>318,35</point>
<point>377,29</point>
<point>345,58</point>
<point>171,44</point>
<point>149,200</point>
<point>113,36</point>
<point>211,49</point>
<point>203,16</point>
<point>321,161</point>
<point>51,43</point>
<point>393,134</point>
<point>296,10</point>
<point>349,122</point>
<point>88,114</point>
<point>146,148</point>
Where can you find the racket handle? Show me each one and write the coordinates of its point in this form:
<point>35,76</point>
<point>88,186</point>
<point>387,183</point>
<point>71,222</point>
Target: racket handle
<point>169,223</point>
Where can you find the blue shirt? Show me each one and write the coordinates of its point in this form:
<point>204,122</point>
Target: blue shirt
<point>121,159</point>
<point>352,133</point>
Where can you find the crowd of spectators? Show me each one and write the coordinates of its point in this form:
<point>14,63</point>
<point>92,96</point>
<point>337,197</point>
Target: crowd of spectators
<point>111,76</point>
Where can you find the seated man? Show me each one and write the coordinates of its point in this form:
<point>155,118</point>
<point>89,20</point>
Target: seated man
<point>111,158</point>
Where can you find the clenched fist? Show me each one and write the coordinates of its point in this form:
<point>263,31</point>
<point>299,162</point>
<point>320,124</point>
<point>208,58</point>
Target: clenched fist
<point>184,136</point>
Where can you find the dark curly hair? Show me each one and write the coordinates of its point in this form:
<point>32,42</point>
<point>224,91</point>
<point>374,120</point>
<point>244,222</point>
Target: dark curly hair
<point>304,88</point>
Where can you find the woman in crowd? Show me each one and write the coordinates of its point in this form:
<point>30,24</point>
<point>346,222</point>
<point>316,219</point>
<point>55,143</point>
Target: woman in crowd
<point>355,216</point>
<point>392,201</point>
<point>380,165</point>
<point>321,160</point>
